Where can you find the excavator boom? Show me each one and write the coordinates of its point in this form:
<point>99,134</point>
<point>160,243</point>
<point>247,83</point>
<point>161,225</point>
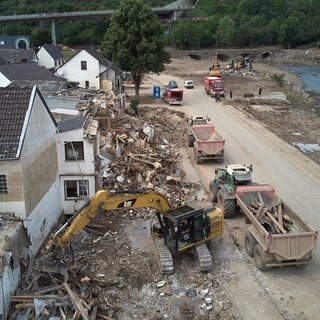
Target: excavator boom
<point>105,200</point>
<point>204,223</point>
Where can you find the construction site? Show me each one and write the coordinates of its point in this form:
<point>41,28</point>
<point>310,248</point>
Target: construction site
<point>107,266</point>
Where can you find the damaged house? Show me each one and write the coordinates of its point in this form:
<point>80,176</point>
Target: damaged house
<point>78,147</point>
<point>29,181</point>
<point>46,169</point>
<point>93,71</point>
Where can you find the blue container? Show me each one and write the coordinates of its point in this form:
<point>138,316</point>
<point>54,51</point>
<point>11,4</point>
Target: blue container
<point>156,91</point>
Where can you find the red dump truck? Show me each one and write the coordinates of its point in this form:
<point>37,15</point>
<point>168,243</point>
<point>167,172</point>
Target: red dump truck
<point>208,143</point>
<point>276,236</point>
<point>173,96</point>
<point>213,85</point>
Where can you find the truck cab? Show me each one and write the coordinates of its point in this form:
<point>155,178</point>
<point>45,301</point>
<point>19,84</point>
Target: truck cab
<point>173,96</point>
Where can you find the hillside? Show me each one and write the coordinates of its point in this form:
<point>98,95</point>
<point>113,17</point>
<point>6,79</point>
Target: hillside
<point>210,24</point>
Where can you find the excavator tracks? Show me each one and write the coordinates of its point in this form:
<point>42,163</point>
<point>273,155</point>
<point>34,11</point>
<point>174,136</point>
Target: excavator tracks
<point>204,257</point>
<point>164,256</point>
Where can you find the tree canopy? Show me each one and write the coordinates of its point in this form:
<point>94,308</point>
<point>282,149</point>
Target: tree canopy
<point>209,24</point>
<point>135,41</point>
<point>248,23</point>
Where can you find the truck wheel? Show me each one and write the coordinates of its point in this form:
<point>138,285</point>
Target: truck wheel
<point>259,257</point>
<point>197,156</point>
<point>190,141</point>
<point>228,206</point>
<point>249,243</point>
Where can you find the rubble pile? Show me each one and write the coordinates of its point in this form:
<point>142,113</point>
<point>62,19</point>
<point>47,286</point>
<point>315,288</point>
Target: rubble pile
<point>145,153</point>
<point>110,268</point>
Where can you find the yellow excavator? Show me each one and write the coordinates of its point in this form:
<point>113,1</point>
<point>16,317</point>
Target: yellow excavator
<point>214,69</point>
<point>201,222</point>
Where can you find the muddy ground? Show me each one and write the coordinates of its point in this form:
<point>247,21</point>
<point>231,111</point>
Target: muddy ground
<point>284,108</point>
<point>113,260</point>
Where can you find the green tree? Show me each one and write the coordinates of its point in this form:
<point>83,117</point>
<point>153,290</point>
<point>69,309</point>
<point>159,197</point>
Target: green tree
<point>226,31</point>
<point>135,41</point>
<point>186,35</point>
<point>290,31</point>
<point>40,37</point>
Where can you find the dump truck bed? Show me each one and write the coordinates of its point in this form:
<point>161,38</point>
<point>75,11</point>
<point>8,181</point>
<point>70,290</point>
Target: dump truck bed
<point>275,226</point>
<point>208,144</point>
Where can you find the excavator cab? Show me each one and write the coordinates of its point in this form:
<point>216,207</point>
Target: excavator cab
<point>188,225</point>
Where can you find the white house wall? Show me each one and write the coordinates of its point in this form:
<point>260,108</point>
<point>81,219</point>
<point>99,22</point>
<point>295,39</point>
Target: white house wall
<point>85,166</point>
<point>45,59</point>
<point>43,218</point>
<point>71,206</point>
<point>75,170</point>
<point>39,159</point>
<point>4,81</point>
<point>39,163</point>
<point>71,70</point>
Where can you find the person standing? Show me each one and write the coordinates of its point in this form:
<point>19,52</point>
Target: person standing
<point>260,90</point>
<point>230,94</point>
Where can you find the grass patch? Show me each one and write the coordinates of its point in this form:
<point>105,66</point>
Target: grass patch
<point>279,78</point>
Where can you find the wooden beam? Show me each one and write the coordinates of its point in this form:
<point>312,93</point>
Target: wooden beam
<point>77,303</point>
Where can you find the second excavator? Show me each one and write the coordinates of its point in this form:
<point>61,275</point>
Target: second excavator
<point>185,227</point>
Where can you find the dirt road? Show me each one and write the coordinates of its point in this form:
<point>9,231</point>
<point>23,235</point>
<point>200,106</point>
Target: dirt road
<point>283,166</point>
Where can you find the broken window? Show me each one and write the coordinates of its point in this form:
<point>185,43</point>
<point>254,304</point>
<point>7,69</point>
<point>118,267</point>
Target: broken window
<point>74,151</point>
<point>76,188</point>
<point>3,184</point>
<point>83,65</point>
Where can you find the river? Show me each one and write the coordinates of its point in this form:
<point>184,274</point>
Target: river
<point>310,76</point>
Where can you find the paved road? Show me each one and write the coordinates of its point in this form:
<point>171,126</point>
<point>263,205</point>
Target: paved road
<point>281,293</point>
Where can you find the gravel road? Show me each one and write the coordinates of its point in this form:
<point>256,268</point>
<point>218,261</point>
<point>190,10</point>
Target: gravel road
<point>279,293</point>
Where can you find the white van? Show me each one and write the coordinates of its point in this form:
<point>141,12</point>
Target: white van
<point>188,84</point>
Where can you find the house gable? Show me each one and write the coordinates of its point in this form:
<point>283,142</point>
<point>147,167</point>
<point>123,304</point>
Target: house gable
<point>28,160</point>
<point>50,57</point>
<point>87,66</point>
<point>15,109</point>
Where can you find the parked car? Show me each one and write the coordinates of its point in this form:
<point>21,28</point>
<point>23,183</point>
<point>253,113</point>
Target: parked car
<point>188,84</point>
<point>172,84</point>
